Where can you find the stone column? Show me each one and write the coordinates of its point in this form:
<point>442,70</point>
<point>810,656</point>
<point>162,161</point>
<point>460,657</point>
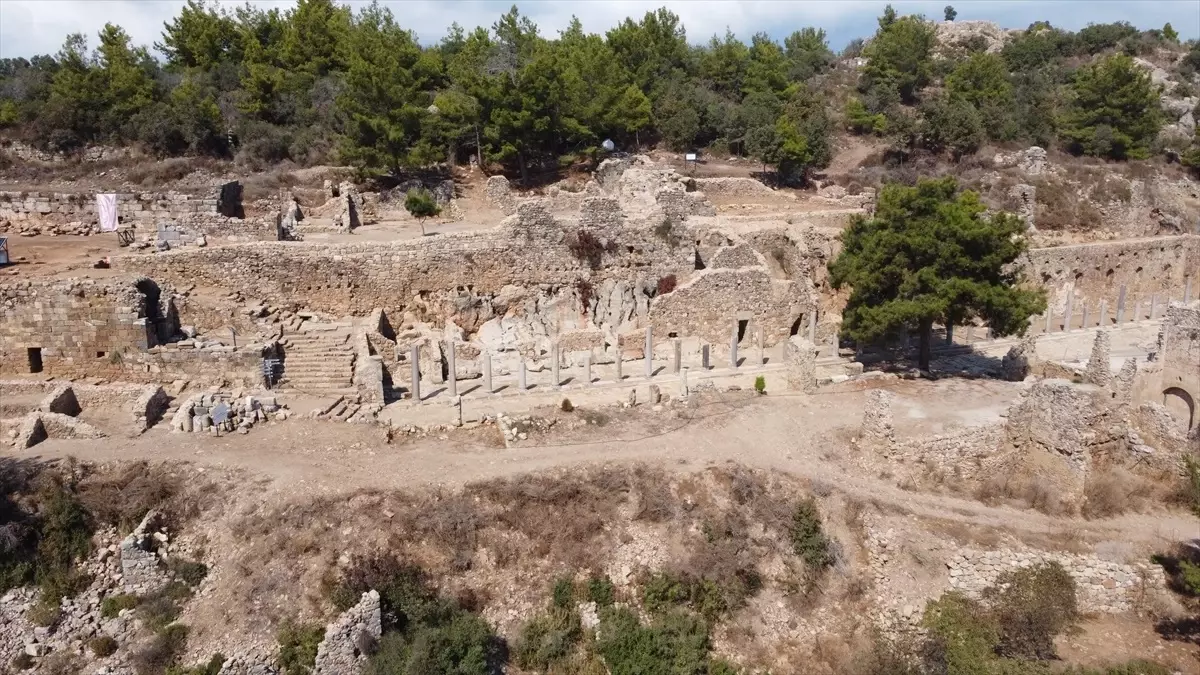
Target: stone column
<point>877,431</point>
<point>451,376</point>
<point>733,348</point>
<point>1121,305</point>
<point>1067,318</point>
<point>1103,313</point>
<point>555,380</point>
<point>800,359</point>
<point>617,363</point>
<point>677,361</point>
<point>812,326</point>
<point>415,359</point>
<point>457,401</point>
<point>587,370</point>
<point>704,364</point>
<point>522,383</point>
<point>1099,366</point>
<point>1084,323</point>
<point>762,355</point>
<point>683,384</point>
<point>649,353</point>
<point>1049,319</point>
<point>1187,290</point>
<point>487,372</point>
<point>1153,305</point>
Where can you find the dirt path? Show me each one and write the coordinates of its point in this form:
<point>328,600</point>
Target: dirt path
<point>805,436</point>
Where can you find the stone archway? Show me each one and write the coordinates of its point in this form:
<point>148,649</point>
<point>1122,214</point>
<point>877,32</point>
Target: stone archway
<point>1181,405</point>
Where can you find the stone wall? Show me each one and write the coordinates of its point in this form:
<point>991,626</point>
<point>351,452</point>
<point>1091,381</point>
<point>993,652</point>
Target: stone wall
<point>1100,585</point>
<point>712,302</point>
<point>140,572</point>
<point>529,250</point>
<point>35,212</point>
<point>348,639</point>
<point>95,153</point>
<point>1095,271</point>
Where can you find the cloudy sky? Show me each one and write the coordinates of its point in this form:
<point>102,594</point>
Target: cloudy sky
<point>29,27</point>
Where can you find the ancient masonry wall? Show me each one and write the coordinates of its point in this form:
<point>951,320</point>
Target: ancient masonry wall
<point>1096,271</point>
<point>189,215</point>
<point>72,320</point>
<point>348,639</point>
<point>1100,585</point>
<point>87,328</point>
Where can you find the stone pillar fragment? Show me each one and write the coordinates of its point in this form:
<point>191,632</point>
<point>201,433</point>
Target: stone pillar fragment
<point>733,348</point>
<point>1099,366</point>
<point>1103,313</point>
<point>1067,314</point>
<point>801,364</point>
<point>487,372</point>
<point>649,354</point>
<point>1084,323</point>
<point>704,361</point>
<point>415,359</point>
<point>762,355</point>
<point>812,326</point>
<point>877,431</point>
<point>555,378</point>
<point>522,380</point>
<point>587,370</point>
<point>451,376</point>
<point>1121,305</point>
<point>683,383</point>
<point>677,360</point>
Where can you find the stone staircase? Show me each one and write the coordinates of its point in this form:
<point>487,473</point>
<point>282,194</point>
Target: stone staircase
<point>319,361</point>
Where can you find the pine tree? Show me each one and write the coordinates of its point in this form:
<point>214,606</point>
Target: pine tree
<point>931,255</point>
<point>421,205</point>
<point>1113,110</point>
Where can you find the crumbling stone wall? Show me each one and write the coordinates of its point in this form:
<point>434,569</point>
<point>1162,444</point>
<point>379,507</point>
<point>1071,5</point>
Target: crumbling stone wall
<point>1100,585</point>
<point>349,637</point>
<point>498,193</point>
<point>43,211</point>
<point>877,431</point>
<point>1173,377</point>
<point>801,362</point>
<point>710,304</point>
<point>71,320</point>
<point>1097,271</point>
<point>1099,366</point>
<point>140,573</point>
<point>62,401</point>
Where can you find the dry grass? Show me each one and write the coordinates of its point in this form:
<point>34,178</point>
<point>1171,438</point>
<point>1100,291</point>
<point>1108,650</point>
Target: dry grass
<point>161,174</point>
<point>1113,491</point>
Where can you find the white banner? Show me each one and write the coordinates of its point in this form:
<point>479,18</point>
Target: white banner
<point>106,208</point>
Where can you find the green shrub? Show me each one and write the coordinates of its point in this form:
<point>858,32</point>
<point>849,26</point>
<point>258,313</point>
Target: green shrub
<point>1032,605</point>
<point>22,661</point>
<point>112,605</point>
<point>45,613</point>
<point>102,646</point>
<point>461,644</point>
<point>190,571</point>
<point>760,384</point>
<point>1189,492</point>
<point>563,593</point>
<point>600,591</point>
<point>674,643</point>
<point>548,639</point>
<point>808,537</point>
<point>962,635</point>
<point>163,650</point>
<point>1189,577</point>
<point>298,646</point>
<point>213,667</point>
<point>566,405</point>
<point>665,592</point>
<point>162,607</point>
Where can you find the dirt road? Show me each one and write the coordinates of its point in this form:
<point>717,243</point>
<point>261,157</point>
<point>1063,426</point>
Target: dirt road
<point>805,436</point>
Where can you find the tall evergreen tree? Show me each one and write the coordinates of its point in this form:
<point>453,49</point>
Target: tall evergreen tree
<point>931,254</point>
<point>1113,110</point>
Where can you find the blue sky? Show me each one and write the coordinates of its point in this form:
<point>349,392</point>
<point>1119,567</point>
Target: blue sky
<point>29,27</point>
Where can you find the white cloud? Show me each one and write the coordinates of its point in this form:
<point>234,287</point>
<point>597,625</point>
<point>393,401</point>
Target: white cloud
<point>29,27</point>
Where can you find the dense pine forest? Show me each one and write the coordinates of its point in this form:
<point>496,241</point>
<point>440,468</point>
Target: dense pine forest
<point>321,83</point>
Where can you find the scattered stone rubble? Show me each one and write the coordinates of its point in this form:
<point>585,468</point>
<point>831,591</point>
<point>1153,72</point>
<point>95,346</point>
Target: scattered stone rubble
<point>195,415</point>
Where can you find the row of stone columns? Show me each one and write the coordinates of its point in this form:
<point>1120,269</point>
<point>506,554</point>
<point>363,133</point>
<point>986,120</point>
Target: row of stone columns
<point>677,366</point>
<point>1139,309</point>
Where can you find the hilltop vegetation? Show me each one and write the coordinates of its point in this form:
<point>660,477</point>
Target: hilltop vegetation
<point>320,82</point>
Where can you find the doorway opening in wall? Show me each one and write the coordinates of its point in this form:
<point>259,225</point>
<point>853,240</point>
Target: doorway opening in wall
<point>742,324</point>
<point>796,326</point>
<point>35,359</point>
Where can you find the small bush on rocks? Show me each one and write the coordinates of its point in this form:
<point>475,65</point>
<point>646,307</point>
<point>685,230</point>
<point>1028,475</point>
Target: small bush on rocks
<point>548,640</point>
<point>112,605</point>
<point>163,650</point>
<point>563,593</point>
<point>566,405</point>
<point>162,607</point>
<point>213,667</point>
<point>600,591</point>
<point>102,646</point>
<point>665,593</point>
<point>808,537</point>
<point>189,571</point>
<point>760,385</point>
<point>1032,605</point>
<point>298,646</point>
<point>45,613</point>
<point>22,661</point>
<point>675,643</point>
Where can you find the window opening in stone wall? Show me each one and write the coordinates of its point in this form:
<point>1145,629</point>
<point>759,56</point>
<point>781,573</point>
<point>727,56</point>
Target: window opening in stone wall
<point>797,324</point>
<point>742,324</point>
<point>101,355</point>
<point>35,359</point>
